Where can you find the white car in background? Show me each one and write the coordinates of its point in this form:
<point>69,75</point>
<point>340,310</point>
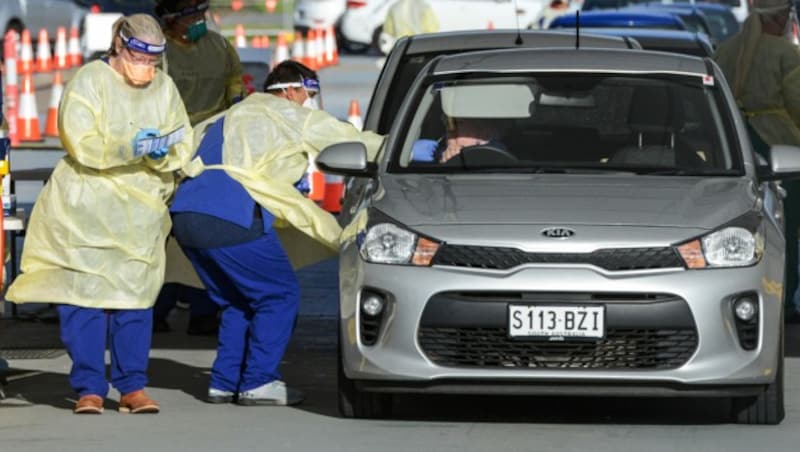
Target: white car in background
<point>363,20</point>
<point>317,13</point>
<point>37,14</point>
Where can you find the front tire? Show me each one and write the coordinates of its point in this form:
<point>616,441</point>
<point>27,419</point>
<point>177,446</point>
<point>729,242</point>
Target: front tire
<point>354,403</point>
<point>765,408</point>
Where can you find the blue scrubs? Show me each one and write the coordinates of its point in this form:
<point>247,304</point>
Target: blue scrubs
<point>85,333</point>
<point>231,243</point>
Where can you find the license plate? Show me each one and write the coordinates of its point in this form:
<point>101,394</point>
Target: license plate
<point>556,322</point>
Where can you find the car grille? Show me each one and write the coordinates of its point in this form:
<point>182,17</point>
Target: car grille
<point>613,259</point>
<point>621,349</point>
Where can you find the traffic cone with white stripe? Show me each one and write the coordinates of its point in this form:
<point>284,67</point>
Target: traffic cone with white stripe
<point>25,62</point>
<point>61,57</point>
<point>44,58</point>
<point>241,39</point>
<point>354,115</point>
<point>316,182</point>
<point>298,48</point>
<point>310,59</point>
<point>28,120</point>
<point>74,48</point>
<point>281,50</point>
<point>331,52</point>
<point>51,126</point>
<point>321,62</point>
<point>11,90</point>
<point>334,192</point>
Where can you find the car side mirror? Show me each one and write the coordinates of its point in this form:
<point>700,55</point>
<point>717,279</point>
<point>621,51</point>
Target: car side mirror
<point>348,159</point>
<point>784,163</point>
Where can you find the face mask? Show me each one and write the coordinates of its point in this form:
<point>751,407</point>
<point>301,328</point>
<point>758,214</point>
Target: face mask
<point>196,31</point>
<point>311,102</point>
<point>137,74</point>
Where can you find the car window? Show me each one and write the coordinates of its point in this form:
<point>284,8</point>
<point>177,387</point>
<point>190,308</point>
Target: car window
<point>544,122</point>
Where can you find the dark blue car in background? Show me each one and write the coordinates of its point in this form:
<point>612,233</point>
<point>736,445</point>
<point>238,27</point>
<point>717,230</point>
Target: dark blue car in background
<point>621,19</point>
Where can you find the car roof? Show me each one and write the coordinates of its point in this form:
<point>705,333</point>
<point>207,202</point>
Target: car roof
<point>460,41</point>
<point>631,18</point>
<point>682,41</point>
<point>578,61</point>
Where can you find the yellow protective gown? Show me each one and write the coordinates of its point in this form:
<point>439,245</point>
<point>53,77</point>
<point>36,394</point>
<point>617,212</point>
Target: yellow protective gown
<point>208,74</point>
<point>268,140</point>
<point>96,234</point>
<point>764,73</point>
<point>410,17</point>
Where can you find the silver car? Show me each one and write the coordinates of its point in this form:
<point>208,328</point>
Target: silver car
<point>610,232</point>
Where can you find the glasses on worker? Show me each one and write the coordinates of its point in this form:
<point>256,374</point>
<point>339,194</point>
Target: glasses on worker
<point>141,58</point>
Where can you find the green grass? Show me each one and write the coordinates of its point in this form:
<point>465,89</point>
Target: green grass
<point>254,6</point>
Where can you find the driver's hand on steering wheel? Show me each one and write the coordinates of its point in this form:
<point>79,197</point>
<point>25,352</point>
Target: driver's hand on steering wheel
<point>454,146</point>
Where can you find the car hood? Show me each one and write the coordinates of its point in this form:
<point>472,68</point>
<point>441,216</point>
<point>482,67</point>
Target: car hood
<point>565,199</point>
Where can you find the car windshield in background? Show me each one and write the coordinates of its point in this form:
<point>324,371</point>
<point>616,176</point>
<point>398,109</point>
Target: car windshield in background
<point>665,125</point>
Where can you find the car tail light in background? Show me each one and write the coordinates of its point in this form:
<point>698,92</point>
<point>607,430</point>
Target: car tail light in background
<point>95,9</point>
<point>355,4</point>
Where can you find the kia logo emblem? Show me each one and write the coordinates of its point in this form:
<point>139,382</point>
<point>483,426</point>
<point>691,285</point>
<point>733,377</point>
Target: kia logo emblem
<point>558,233</point>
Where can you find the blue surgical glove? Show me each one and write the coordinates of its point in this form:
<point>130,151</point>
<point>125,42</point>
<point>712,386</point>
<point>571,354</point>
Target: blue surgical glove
<point>424,150</point>
<point>303,186</point>
<point>159,153</point>
<point>141,135</point>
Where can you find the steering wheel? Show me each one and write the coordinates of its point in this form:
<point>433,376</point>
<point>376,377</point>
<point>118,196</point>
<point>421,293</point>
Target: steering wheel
<point>482,155</point>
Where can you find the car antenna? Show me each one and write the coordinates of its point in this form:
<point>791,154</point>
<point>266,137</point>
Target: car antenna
<point>577,30</point>
<point>518,41</point>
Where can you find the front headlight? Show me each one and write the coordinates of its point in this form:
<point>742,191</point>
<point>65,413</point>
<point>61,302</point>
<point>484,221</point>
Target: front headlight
<point>731,246</point>
<point>388,243</point>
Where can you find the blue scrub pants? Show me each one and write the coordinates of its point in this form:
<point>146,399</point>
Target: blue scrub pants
<point>85,333</point>
<point>258,292</point>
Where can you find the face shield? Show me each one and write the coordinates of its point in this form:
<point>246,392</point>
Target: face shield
<point>138,59</point>
<point>311,87</point>
<point>196,28</point>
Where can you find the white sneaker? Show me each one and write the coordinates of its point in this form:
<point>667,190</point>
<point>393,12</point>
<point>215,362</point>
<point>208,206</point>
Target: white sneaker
<point>273,393</point>
<point>219,396</point>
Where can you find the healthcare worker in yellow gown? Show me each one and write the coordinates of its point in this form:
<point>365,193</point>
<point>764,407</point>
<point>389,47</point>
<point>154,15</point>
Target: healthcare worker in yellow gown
<point>245,225</point>
<point>95,242</point>
<point>407,18</point>
<point>762,66</point>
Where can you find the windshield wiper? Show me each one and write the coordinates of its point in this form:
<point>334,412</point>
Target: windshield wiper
<point>685,172</point>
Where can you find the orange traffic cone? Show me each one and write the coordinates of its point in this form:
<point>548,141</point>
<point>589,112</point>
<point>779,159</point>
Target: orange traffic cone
<point>241,39</point>
<point>334,192</point>
<point>490,25</point>
<point>51,126</point>
<point>61,57</point>
<point>281,50</point>
<point>265,42</point>
<point>331,53</point>
<point>25,63</point>
<point>236,5</point>
<point>10,88</point>
<point>354,115</point>
<point>28,120</point>
<point>271,5</point>
<point>44,58</point>
<point>316,182</point>
<point>299,48</point>
<point>74,49</point>
<point>310,59</point>
<point>321,63</point>
<point>255,42</point>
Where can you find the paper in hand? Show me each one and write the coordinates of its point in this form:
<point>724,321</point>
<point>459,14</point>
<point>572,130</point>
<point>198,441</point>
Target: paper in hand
<point>147,145</point>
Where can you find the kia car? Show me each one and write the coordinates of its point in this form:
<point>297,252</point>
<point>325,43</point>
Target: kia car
<point>612,235</point>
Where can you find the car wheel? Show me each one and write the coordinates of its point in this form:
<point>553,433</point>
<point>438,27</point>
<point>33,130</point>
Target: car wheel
<point>354,403</point>
<point>376,39</point>
<point>354,47</point>
<point>765,408</point>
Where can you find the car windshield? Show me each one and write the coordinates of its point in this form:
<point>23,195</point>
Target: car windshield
<point>644,124</point>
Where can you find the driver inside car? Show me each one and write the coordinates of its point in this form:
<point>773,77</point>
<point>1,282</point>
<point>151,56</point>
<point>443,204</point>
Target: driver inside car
<point>461,133</point>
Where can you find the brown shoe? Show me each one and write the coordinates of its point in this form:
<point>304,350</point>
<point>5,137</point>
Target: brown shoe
<point>89,404</point>
<point>137,402</point>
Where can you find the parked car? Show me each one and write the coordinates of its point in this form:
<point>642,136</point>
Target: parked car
<point>719,19</point>
<point>124,7</point>
<point>677,41</point>
<point>620,241</point>
<point>317,13</point>
<point>363,20</point>
<point>618,19</point>
<point>693,17</point>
